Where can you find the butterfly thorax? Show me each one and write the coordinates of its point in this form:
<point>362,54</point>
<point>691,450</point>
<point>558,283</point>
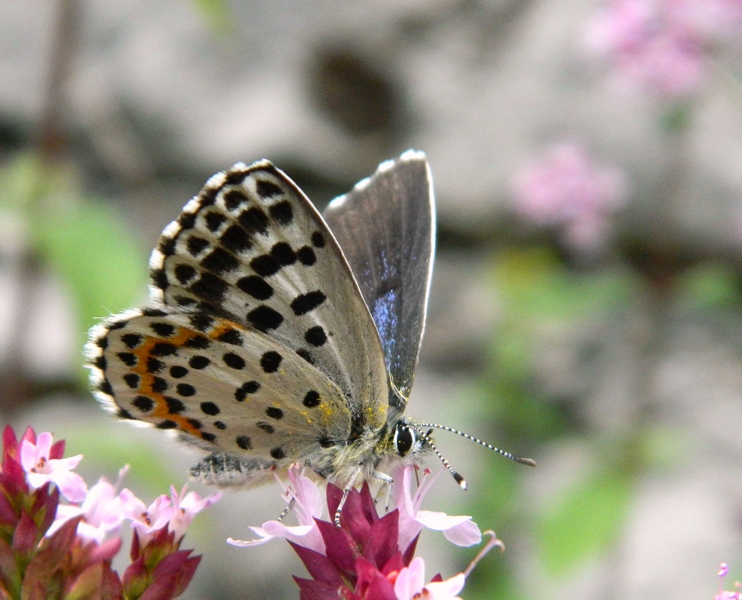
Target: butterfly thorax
<point>370,452</point>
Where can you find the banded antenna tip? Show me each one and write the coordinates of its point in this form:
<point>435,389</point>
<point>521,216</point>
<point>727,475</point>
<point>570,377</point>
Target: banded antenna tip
<point>460,480</point>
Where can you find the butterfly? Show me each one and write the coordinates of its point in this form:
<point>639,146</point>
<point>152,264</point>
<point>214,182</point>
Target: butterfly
<point>277,335</point>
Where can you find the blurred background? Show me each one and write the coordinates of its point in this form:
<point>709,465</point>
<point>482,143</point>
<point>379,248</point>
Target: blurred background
<point>587,294</point>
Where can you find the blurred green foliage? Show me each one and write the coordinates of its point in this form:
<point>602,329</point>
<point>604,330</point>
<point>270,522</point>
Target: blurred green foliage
<point>85,242</point>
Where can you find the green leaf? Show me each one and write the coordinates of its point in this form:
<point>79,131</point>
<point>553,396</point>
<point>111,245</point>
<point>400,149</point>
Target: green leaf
<point>585,521</point>
<point>710,286</point>
<point>97,257</point>
<point>217,14</point>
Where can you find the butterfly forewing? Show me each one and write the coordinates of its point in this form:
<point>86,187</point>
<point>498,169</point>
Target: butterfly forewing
<point>265,342</point>
<point>386,228</point>
<point>252,248</point>
<point>230,388</point>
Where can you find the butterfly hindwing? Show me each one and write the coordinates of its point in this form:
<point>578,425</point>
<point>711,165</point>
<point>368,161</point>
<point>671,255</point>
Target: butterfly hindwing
<point>272,337</point>
<point>252,248</point>
<point>386,228</point>
<point>230,388</point>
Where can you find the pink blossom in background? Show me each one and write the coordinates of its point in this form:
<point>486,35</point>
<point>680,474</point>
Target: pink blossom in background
<point>146,519</point>
<point>185,507</point>
<point>565,188</point>
<point>662,46</point>
<point>43,463</point>
<point>725,594</point>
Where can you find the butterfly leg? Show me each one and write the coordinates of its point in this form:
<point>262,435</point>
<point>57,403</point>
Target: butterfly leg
<point>388,482</point>
<point>346,491</point>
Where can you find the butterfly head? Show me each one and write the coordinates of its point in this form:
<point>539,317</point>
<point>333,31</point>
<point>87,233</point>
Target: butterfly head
<point>408,440</point>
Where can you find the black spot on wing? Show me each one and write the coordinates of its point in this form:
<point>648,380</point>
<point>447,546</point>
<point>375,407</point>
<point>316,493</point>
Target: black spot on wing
<point>185,389</point>
<point>315,336</point>
<point>154,365</point>
<point>306,256</point>
<point>198,342</point>
<point>274,412</point>
<point>163,349</point>
<point>267,189</point>
<point>178,372</point>
<point>184,273</point>
<point>318,239</point>
<point>210,288</point>
<point>199,362</point>
<point>254,220</point>
<point>305,303</point>
<point>162,329</point>
<point>128,358</point>
<point>201,321</point>
<point>209,408</point>
<point>214,220</point>
<point>132,380</point>
<point>231,336</point>
<point>264,318</point>
<point>234,361</point>
<point>195,245</point>
<point>174,406</point>
<point>235,239</point>
<point>255,286</point>
<point>159,385</point>
<point>234,199</point>
<point>245,389</point>
<point>143,403</point>
<point>311,399</point>
<point>282,212</point>
<point>219,261</point>
<point>270,361</point>
<point>132,340</point>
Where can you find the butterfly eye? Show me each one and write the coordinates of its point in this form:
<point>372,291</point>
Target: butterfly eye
<point>404,438</point>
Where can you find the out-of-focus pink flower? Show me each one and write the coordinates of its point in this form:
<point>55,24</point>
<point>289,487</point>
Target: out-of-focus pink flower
<point>101,512</point>
<point>662,46</point>
<point>185,507</point>
<point>724,594</point>
<point>459,529</point>
<point>146,519</point>
<point>41,465</point>
<point>565,188</point>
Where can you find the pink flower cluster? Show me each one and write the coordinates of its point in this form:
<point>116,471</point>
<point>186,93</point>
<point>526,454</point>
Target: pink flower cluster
<point>46,544</point>
<point>662,45</point>
<point>368,556</point>
<point>724,594</point>
<point>565,189</point>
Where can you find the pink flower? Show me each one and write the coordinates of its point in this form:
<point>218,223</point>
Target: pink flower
<point>460,530</point>
<point>42,462</point>
<point>723,594</point>
<point>662,46</point>
<point>146,519</point>
<point>368,556</point>
<point>101,512</point>
<point>307,505</point>
<point>187,506</point>
<point>410,584</point>
<point>565,188</point>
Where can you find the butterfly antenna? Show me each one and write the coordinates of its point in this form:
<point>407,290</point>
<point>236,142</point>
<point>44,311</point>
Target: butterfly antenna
<point>456,475</point>
<point>514,457</point>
